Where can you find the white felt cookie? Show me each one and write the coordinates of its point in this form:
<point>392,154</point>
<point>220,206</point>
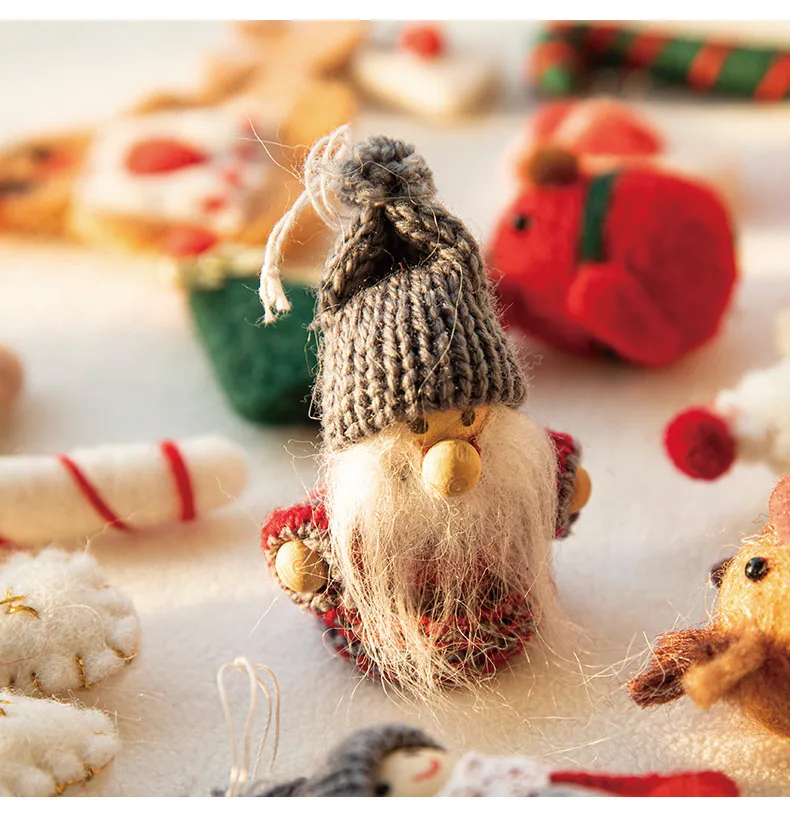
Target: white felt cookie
<point>62,626</point>
<point>46,745</point>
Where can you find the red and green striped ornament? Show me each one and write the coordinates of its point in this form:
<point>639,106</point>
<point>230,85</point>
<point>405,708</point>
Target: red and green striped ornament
<point>567,51</point>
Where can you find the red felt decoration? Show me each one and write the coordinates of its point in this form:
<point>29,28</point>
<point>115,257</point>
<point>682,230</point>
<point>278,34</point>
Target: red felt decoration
<point>422,39</point>
<point>700,443</point>
<point>162,156</point>
<point>679,785</point>
<point>187,241</point>
<point>596,127</point>
<point>636,263</point>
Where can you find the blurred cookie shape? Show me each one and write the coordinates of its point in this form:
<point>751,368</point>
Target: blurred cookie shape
<point>425,74</point>
<point>182,173</point>
<point>749,421</point>
<point>10,380</point>
<point>46,746</point>
<point>37,178</point>
<point>743,655</point>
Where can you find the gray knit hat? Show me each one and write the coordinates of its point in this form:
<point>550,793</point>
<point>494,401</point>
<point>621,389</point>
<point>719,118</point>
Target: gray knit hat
<point>405,305</point>
<point>350,769</point>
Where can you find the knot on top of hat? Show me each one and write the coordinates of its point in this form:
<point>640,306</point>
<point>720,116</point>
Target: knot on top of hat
<point>382,169</point>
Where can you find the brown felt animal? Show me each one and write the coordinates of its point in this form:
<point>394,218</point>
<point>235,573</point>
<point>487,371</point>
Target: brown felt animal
<point>743,655</point>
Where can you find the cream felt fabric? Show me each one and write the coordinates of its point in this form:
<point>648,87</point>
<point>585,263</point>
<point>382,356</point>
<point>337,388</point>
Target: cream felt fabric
<point>62,626</point>
<point>41,501</point>
<point>110,358</point>
<point>46,746</point>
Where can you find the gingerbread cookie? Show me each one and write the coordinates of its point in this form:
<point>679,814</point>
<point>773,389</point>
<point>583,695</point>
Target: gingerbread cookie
<point>181,173</point>
<point>36,182</point>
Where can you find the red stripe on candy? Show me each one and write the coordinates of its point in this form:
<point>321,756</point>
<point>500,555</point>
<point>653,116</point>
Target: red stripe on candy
<point>92,495</point>
<point>776,82</point>
<point>707,64</point>
<point>645,48</point>
<point>552,54</point>
<point>181,478</point>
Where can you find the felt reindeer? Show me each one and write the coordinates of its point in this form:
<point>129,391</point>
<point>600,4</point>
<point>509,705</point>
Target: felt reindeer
<point>743,655</point>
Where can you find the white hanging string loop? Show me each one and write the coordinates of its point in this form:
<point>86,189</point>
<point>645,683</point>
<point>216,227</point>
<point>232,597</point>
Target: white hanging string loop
<point>318,194</point>
<point>242,779</point>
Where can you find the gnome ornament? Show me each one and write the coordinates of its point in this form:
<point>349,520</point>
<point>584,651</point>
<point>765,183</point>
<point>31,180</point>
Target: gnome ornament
<point>399,761</point>
<point>635,263</point>
<point>425,550</point>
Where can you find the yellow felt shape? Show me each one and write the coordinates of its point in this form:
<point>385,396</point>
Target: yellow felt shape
<point>743,655</point>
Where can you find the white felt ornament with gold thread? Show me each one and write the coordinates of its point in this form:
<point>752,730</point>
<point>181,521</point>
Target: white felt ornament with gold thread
<point>426,552</point>
<point>45,745</point>
<point>62,626</point>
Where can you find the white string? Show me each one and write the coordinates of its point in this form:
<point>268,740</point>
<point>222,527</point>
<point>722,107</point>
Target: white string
<point>241,778</point>
<point>316,192</point>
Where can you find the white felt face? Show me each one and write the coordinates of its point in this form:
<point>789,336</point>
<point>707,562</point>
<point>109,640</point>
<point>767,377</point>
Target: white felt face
<point>212,189</point>
<point>414,772</point>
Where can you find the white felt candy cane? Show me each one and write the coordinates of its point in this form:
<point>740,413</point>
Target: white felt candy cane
<point>49,499</point>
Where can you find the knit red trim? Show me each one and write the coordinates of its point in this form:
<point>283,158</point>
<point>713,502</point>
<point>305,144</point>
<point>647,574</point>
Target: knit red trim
<point>92,495</point>
<point>181,478</point>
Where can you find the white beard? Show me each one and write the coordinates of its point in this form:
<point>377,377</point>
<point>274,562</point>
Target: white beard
<point>403,552</point>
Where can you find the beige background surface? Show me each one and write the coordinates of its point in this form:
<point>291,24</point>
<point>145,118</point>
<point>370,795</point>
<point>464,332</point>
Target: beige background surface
<point>110,357</point>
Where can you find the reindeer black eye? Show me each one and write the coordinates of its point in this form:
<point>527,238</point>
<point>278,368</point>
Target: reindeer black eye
<point>756,568</point>
<point>381,789</point>
<point>521,222</point>
<point>468,417</point>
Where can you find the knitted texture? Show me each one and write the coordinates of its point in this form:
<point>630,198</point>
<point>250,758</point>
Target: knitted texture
<point>266,373</point>
<point>505,626</point>
<point>404,307</point>
<point>350,768</point>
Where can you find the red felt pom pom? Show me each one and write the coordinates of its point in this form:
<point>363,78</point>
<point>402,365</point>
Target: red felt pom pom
<point>424,39</point>
<point>700,444</point>
<point>161,156</point>
<point>187,241</point>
